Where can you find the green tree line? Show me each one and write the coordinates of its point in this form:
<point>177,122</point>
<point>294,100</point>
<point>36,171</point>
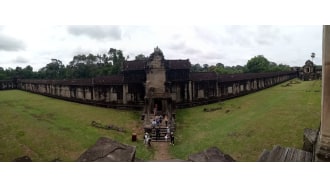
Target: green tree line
<point>87,66</point>
<point>256,64</point>
<point>81,66</point>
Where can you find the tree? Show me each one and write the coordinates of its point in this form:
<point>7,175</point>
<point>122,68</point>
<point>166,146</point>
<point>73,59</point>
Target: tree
<point>283,67</point>
<point>117,58</point>
<point>313,56</point>
<point>91,59</point>
<point>27,72</point>
<point>2,74</point>
<point>205,67</point>
<point>196,68</point>
<point>105,59</point>
<point>53,70</point>
<point>141,57</point>
<point>257,64</point>
<point>239,69</point>
<point>220,65</point>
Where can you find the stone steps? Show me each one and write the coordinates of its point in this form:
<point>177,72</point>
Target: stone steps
<point>148,127</point>
<point>162,133</point>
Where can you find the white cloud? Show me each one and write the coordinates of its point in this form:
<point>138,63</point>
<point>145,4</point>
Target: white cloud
<point>96,31</point>
<point>230,45</point>
<point>20,60</point>
<point>8,43</point>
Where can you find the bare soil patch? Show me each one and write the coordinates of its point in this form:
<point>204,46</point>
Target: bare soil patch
<point>161,151</point>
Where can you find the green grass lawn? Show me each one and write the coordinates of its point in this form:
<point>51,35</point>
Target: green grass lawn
<point>44,128</point>
<point>244,126</point>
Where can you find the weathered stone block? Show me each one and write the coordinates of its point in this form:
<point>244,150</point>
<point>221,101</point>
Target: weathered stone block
<point>310,136</point>
<point>108,150</point>
<point>23,159</point>
<point>264,156</point>
<point>285,154</point>
<point>212,154</point>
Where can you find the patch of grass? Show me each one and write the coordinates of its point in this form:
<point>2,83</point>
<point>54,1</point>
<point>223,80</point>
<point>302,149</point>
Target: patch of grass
<point>45,129</point>
<point>247,125</point>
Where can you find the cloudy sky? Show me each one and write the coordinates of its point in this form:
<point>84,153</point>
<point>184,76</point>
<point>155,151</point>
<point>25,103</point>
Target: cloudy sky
<point>231,45</point>
<point>206,32</point>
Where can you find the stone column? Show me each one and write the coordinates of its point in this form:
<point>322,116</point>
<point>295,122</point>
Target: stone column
<point>323,144</point>
<point>217,89</point>
<point>125,91</point>
<point>185,92</point>
<point>190,91</point>
<point>178,92</point>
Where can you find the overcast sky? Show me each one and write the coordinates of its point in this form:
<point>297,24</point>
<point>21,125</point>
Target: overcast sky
<point>204,31</point>
<point>231,45</point>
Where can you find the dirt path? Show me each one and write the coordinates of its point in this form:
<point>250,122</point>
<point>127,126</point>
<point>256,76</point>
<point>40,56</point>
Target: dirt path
<point>161,151</point>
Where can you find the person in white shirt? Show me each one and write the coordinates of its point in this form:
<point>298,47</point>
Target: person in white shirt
<point>153,123</point>
<point>166,136</point>
<point>146,136</point>
<point>168,130</point>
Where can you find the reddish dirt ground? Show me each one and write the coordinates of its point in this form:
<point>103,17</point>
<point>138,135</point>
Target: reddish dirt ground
<point>161,151</point>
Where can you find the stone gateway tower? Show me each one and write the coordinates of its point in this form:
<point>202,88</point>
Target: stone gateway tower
<point>156,80</point>
<point>166,82</point>
<point>156,73</point>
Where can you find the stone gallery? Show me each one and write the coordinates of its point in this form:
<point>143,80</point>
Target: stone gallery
<point>157,80</point>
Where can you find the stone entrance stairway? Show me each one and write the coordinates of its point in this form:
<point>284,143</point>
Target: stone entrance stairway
<point>163,129</point>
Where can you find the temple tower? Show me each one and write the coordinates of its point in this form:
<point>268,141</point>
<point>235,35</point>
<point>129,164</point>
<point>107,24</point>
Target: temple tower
<point>156,73</point>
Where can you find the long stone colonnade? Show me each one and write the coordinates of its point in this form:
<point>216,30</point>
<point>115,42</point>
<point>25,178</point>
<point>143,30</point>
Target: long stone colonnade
<point>112,91</point>
<point>7,84</point>
<point>156,76</point>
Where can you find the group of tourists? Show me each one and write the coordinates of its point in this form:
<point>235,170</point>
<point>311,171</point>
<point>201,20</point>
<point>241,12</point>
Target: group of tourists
<point>157,121</point>
<point>169,135</point>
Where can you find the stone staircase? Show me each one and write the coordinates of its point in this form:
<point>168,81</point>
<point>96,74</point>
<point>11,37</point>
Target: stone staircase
<point>161,138</point>
<point>148,115</point>
<point>162,130</point>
